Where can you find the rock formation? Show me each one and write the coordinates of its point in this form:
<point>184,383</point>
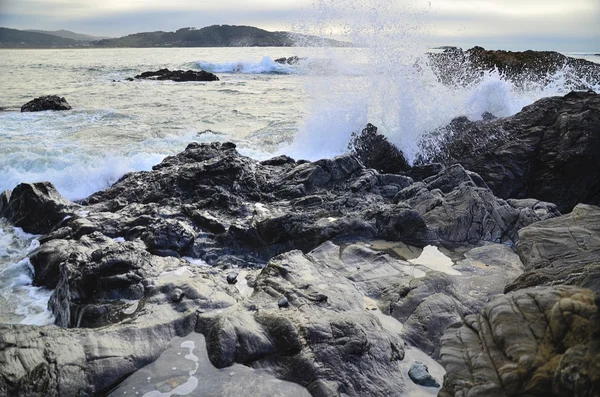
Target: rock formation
<point>546,151</point>
<point>457,67</point>
<point>178,75</point>
<point>49,102</point>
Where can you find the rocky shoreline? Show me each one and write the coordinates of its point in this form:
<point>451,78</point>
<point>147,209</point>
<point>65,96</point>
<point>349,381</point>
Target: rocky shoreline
<point>339,276</point>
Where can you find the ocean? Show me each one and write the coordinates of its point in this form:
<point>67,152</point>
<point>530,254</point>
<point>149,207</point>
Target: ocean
<point>116,126</point>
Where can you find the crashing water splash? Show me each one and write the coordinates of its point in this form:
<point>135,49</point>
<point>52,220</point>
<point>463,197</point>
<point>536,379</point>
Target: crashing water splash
<point>394,83</point>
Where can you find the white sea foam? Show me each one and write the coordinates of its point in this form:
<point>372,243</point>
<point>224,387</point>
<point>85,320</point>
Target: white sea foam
<point>265,66</point>
<point>396,90</point>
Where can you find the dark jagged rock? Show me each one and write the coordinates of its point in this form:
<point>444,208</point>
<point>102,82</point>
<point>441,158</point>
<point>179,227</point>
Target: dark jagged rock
<point>116,260</point>
<point>293,60</point>
<point>564,250</point>
<point>178,75</point>
<point>49,102</point>
<point>36,207</point>
<point>457,67</point>
<point>460,208</point>
<point>375,151</point>
<point>547,151</point>
<point>541,341</point>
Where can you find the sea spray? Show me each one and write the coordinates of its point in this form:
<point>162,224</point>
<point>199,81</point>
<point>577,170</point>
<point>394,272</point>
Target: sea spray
<point>398,90</point>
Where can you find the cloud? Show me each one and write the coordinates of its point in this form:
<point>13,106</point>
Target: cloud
<point>518,23</point>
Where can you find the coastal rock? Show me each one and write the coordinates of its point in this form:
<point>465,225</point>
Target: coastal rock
<point>564,250</point>
<point>533,342</point>
<point>136,254</point>
<point>373,150</point>
<point>322,335</point>
<point>457,67</point>
<point>52,361</point>
<point>420,375</point>
<point>36,207</point>
<point>458,207</point>
<point>427,305</point>
<point>541,152</point>
<point>49,102</point>
<point>178,75</point>
<point>293,60</point>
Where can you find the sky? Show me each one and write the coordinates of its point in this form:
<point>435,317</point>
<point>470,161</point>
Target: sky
<point>561,25</point>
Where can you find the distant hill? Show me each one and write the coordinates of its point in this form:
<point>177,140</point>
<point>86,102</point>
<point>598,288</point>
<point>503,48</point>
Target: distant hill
<point>67,34</point>
<point>219,36</point>
<point>13,38</point>
<point>210,36</point>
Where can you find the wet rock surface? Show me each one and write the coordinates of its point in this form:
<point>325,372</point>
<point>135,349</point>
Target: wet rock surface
<point>457,67</point>
<point>541,341</point>
<point>547,151</point>
<point>562,251</point>
<point>49,102</point>
<point>420,375</point>
<point>178,75</point>
<point>327,274</point>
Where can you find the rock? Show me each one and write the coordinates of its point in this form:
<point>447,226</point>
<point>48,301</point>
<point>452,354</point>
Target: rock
<point>49,102</point>
<point>4,199</point>
<point>420,375</point>
<point>51,361</point>
<point>375,151</point>
<point>135,255</point>
<point>178,75</point>
<point>541,341</point>
<point>564,250</point>
<point>232,278</point>
<point>186,361</point>
<point>36,207</point>
<point>326,345</point>
<point>283,302</point>
<point>458,207</point>
<point>457,67</point>
<point>538,153</point>
<point>293,60</point>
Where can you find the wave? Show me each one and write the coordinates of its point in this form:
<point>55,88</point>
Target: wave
<point>265,66</point>
<point>397,88</point>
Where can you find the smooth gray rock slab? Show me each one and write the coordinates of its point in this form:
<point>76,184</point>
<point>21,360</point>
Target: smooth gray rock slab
<point>184,369</point>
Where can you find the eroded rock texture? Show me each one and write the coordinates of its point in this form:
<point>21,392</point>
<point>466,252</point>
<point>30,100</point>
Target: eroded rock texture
<point>547,151</point>
<point>541,341</point>
<point>565,250</point>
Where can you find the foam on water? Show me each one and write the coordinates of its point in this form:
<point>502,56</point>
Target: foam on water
<point>20,301</point>
<point>265,66</point>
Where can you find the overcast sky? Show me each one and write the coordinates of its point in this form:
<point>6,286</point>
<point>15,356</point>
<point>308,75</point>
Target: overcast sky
<point>563,25</point>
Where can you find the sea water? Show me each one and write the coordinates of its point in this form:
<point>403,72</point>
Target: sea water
<point>307,110</point>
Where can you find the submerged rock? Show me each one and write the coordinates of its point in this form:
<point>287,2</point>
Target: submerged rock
<point>178,75</point>
<point>547,151</point>
<point>420,375</point>
<point>49,102</point>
